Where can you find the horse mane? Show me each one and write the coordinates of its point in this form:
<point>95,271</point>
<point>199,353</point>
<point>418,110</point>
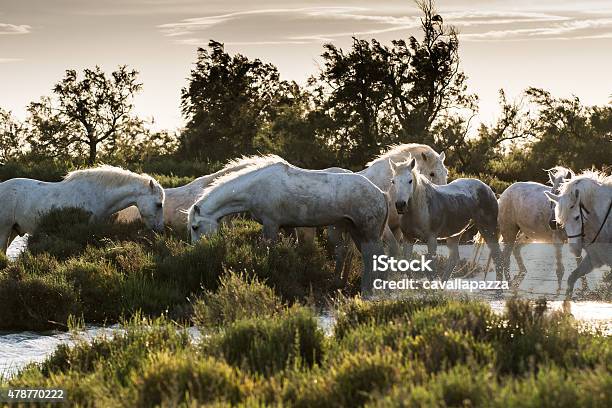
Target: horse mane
<point>560,171</point>
<point>109,176</point>
<point>230,167</point>
<point>586,183</point>
<point>421,185</point>
<point>246,164</point>
<point>399,151</point>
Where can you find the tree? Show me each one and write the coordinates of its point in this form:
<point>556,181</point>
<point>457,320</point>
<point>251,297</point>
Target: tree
<point>375,94</point>
<point>229,98</point>
<point>12,135</point>
<point>569,133</point>
<point>353,95</point>
<point>425,80</point>
<point>86,114</point>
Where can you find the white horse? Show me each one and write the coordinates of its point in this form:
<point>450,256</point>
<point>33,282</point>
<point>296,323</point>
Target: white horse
<point>100,191</point>
<point>584,208</point>
<point>380,172</point>
<point>524,208</point>
<point>429,211</point>
<point>278,194</point>
<point>179,199</point>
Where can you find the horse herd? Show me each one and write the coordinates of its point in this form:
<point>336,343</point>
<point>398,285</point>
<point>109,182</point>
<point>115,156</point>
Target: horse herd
<point>400,197</point>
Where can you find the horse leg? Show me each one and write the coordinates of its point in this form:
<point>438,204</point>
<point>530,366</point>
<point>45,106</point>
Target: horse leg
<point>5,238</point>
<point>509,234</point>
<point>560,269</point>
<point>270,232</point>
<point>489,234</point>
<point>585,283</point>
<point>368,250</point>
<point>583,268</point>
<point>432,248</point>
<point>453,256</point>
<point>521,265</point>
<point>340,244</point>
<point>391,241</point>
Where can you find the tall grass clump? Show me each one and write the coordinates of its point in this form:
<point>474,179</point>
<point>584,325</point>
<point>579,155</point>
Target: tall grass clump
<point>238,297</point>
<point>266,345</point>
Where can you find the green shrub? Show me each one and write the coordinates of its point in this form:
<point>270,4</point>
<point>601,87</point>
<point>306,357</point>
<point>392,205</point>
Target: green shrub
<point>270,344</point>
<point>99,288</point>
<point>461,386</point>
<point>238,297</point>
<point>439,347</point>
<point>356,311</point>
<point>170,379</point>
<point>529,338</point>
<point>30,302</point>
<point>66,232</point>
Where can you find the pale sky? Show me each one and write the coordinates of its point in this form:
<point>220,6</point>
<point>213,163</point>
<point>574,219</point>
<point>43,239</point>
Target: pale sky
<point>563,46</point>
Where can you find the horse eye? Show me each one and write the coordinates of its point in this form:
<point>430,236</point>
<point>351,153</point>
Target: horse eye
<point>576,218</point>
<point>572,206</point>
<point>392,181</point>
<point>432,174</point>
<point>410,182</point>
<point>195,227</point>
<point>160,205</point>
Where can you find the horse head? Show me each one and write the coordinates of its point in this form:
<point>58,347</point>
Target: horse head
<point>151,206</point>
<point>199,224</point>
<point>402,182</point>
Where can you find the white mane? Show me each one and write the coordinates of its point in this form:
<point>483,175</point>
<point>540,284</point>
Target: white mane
<point>560,171</point>
<point>587,183</point>
<point>251,164</point>
<point>108,176</point>
<point>399,152</point>
<point>420,184</point>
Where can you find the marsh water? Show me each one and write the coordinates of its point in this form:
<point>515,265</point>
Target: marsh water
<point>20,348</point>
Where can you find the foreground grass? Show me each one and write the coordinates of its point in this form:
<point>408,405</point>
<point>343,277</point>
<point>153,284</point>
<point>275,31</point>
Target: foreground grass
<point>101,272</point>
<point>421,351</point>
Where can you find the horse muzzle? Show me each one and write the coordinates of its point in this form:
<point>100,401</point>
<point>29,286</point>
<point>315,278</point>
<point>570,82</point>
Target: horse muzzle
<point>553,224</point>
<point>400,206</point>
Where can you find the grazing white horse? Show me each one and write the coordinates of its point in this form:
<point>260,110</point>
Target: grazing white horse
<point>179,199</point>
<point>584,208</point>
<point>524,208</point>
<point>429,211</point>
<point>100,191</point>
<point>278,194</point>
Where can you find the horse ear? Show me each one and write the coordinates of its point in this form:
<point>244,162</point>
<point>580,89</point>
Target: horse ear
<point>424,156</point>
<point>552,197</point>
<point>568,175</point>
<point>442,157</point>
<point>151,184</point>
<point>393,164</point>
<point>551,177</point>
<point>196,209</point>
<point>412,164</point>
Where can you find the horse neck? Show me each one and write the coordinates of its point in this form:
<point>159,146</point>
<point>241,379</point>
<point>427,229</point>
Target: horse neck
<point>104,200</point>
<point>230,197</point>
<point>380,174</point>
<point>420,190</point>
<point>124,196</point>
<point>601,199</point>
